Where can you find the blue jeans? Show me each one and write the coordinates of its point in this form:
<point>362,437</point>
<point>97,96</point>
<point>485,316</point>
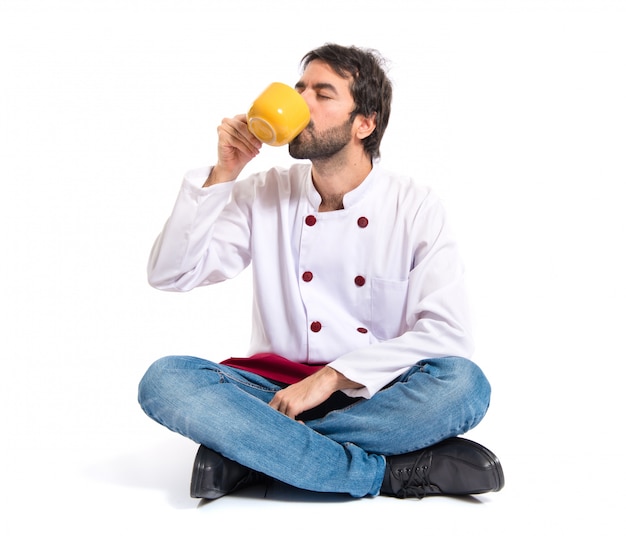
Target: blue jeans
<point>343,451</point>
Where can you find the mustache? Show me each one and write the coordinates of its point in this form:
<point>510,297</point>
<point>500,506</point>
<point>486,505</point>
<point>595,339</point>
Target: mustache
<point>310,127</point>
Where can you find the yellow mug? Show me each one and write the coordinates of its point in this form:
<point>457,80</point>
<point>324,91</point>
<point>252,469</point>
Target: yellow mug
<point>278,115</point>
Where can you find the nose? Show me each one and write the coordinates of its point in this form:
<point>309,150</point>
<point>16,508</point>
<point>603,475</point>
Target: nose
<point>310,102</point>
<point>308,96</point>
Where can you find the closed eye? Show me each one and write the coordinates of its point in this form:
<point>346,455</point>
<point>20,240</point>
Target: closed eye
<point>324,90</point>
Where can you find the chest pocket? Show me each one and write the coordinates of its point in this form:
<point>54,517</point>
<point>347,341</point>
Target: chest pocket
<point>389,301</point>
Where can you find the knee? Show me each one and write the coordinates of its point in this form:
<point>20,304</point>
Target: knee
<point>465,386</point>
<point>477,381</point>
<point>474,388</point>
<point>158,380</point>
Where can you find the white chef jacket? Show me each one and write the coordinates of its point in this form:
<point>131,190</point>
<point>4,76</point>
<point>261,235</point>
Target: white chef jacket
<point>371,289</point>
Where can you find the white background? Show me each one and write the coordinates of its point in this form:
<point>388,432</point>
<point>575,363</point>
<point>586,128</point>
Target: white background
<point>513,111</point>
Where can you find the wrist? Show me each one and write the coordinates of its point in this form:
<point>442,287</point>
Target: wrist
<point>218,175</point>
<point>339,381</point>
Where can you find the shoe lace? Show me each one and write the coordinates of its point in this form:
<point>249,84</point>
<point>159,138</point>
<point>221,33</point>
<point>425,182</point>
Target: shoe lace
<point>415,479</point>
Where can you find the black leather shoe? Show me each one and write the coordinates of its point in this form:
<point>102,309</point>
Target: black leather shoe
<point>214,475</point>
<point>455,466</point>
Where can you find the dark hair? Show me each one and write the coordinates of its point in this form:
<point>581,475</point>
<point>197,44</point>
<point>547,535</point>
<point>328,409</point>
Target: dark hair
<point>370,86</point>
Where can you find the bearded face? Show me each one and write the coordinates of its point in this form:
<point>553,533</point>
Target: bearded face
<point>313,144</point>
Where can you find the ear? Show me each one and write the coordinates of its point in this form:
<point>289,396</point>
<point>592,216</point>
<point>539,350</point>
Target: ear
<point>365,125</point>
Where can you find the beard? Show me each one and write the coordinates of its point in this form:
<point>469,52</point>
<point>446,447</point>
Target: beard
<point>313,145</point>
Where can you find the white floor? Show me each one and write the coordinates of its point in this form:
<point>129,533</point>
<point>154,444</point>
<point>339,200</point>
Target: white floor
<point>142,488</point>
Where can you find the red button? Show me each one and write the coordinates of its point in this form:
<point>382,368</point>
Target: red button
<point>307,276</point>
<point>362,330</point>
<point>310,220</point>
<point>316,326</point>
<point>359,281</point>
<point>362,222</point>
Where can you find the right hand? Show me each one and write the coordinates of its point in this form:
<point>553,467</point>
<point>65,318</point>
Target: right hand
<point>235,148</point>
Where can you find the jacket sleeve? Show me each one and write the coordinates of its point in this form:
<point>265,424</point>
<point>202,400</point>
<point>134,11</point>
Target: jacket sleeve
<point>205,240</point>
<point>435,319</point>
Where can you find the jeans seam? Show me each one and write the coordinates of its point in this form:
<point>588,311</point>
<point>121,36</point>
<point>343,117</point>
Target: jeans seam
<point>226,377</point>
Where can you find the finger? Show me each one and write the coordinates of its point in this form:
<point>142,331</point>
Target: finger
<point>282,405</point>
<point>235,133</point>
<point>276,403</point>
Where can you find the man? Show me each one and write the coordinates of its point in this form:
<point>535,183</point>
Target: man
<point>359,380</point>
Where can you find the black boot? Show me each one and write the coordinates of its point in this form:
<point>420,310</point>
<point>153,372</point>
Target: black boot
<point>453,467</point>
<point>214,475</point>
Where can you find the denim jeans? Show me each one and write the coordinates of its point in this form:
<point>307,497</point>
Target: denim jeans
<point>342,451</point>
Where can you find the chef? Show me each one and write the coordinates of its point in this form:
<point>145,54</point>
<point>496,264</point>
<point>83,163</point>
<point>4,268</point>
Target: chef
<point>359,378</point>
